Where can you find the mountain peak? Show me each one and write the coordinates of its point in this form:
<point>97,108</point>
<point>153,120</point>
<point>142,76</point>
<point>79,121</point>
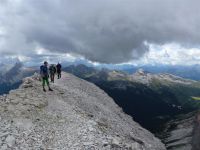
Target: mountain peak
<point>146,78</point>
<point>140,72</point>
<point>76,115</point>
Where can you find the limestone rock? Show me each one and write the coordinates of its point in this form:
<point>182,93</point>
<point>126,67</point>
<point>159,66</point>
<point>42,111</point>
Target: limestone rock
<point>10,140</point>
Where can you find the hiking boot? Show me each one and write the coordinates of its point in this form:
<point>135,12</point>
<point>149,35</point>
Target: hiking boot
<point>44,90</point>
<point>50,89</point>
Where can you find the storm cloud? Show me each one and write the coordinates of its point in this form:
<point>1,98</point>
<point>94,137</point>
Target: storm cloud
<point>106,31</point>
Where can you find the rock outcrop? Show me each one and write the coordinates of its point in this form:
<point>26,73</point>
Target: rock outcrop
<point>183,133</point>
<point>196,133</point>
<point>76,115</point>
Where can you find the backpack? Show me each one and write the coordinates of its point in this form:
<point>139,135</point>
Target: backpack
<point>52,69</point>
<point>43,71</point>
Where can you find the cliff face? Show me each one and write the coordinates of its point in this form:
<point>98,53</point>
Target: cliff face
<point>196,133</point>
<point>183,132</point>
<point>76,115</point>
<point>178,133</point>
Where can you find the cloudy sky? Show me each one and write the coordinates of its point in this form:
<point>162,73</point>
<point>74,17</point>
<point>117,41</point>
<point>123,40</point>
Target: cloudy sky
<point>104,31</point>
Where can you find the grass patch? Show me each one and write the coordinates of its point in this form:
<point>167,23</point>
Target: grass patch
<point>196,98</point>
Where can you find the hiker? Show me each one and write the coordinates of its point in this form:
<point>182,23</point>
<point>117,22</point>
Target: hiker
<point>44,72</point>
<point>52,70</point>
<point>58,66</point>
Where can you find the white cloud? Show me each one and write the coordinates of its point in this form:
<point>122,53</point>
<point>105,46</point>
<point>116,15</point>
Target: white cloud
<point>105,31</point>
<point>170,54</point>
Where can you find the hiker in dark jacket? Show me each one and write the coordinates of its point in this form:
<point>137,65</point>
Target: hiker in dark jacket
<point>58,67</point>
<point>44,72</point>
<point>52,71</point>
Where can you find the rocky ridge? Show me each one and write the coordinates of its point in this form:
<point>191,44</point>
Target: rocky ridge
<point>76,115</point>
<point>147,78</point>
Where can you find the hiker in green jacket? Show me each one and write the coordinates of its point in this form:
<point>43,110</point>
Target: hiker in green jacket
<point>44,72</point>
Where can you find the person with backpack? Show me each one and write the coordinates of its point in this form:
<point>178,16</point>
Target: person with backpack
<point>52,70</point>
<point>58,66</point>
<point>44,72</point>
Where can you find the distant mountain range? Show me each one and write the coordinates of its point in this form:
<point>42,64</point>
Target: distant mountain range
<point>11,76</point>
<point>189,72</point>
<point>151,99</point>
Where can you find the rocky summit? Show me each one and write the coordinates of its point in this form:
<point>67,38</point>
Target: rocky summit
<point>76,115</point>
